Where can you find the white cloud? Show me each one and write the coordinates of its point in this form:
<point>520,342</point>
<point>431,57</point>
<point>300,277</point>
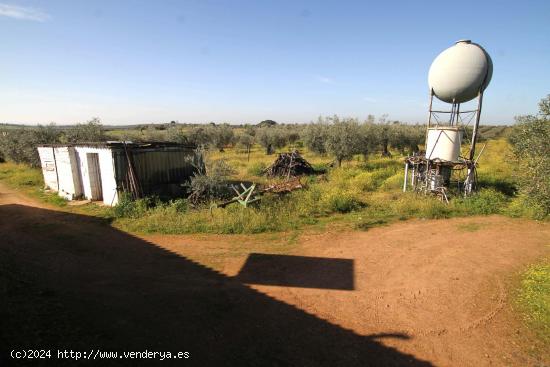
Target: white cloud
<point>324,79</point>
<point>23,13</point>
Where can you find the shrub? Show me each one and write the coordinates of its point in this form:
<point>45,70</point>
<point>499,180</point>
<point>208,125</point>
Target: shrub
<point>130,208</point>
<point>530,146</point>
<point>484,202</point>
<point>521,206</point>
<point>124,207</point>
<point>179,205</point>
<point>341,201</point>
<point>212,184</point>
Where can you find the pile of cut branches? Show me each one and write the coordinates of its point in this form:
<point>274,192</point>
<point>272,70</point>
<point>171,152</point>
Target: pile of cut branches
<point>289,165</point>
<point>284,187</point>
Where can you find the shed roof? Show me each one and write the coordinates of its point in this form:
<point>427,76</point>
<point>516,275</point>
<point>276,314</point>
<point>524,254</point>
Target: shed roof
<point>122,144</point>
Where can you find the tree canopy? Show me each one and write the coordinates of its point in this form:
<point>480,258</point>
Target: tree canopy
<point>530,141</point>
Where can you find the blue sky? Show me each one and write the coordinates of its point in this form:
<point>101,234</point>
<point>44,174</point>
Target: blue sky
<point>246,61</point>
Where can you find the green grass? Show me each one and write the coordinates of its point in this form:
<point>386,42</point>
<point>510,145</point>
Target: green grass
<point>29,181</point>
<point>20,176</point>
<point>321,204</point>
<point>495,170</point>
<point>533,299</point>
<point>256,169</point>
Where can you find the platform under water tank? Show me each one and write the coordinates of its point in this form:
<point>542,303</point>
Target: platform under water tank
<point>443,143</point>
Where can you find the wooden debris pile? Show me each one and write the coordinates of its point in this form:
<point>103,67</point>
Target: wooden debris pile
<point>283,187</point>
<point>289,165</point>
<point>252,194</point>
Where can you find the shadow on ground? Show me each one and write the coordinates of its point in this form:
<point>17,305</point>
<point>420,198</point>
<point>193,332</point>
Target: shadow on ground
<point>298,271</point>
<point>69,281</point>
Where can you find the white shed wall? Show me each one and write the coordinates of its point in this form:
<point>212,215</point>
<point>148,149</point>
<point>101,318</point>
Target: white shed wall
<point>107,172</point>
<point>49,170</point>
<point>67,173</point>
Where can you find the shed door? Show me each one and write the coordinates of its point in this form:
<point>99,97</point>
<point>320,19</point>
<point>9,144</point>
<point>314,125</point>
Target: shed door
<point>95,176</point>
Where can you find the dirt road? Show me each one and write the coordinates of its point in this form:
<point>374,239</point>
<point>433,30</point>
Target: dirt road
<point>417,293</point>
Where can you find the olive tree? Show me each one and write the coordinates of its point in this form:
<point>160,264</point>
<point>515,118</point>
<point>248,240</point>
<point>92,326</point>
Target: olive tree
<point>383,133</point>
<point>315,136</point>
<point>91,131</point>
<point>368,139</point>
<point>292,137</point>
<point>270,138</point>
<point>220,136</point>
<point>343,139</point>
<point>19,145</point>
<point>531,146</point>
<point>406,138</point>
<point>267,123</point>
<point>247,141</point>
<point>199,136</point>
<point>176,134</point>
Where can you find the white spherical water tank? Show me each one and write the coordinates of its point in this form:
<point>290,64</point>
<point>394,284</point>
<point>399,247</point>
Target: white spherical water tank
<point>444,143</point>
<point>460,72</point>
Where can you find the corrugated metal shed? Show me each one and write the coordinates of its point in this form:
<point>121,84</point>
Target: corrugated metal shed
<point>100,171</point>
<point>160,170</point>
